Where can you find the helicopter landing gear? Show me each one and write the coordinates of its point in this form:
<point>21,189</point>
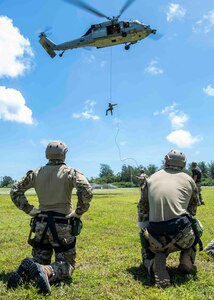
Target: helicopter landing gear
<point>61,54</point>
<point>124,34</point>
<point>127,47</point>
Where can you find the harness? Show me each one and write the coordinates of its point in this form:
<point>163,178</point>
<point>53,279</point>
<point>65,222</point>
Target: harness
<point>51,218</point>
<point>161,236</point>
<point>157,246</point>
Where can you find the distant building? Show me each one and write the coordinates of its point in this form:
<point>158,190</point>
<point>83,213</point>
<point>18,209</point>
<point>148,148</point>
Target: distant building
<point>103,186</point>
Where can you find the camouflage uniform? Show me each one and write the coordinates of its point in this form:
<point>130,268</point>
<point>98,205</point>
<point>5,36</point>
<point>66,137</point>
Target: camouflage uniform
<point>53,184</point>
<point>196,175</point>
<point>210,248</point>
<point>168,195</point>
<point>142,179</point>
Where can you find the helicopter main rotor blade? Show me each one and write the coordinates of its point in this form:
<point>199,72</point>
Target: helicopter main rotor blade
<point>125,6</point>
<point>87,7</point>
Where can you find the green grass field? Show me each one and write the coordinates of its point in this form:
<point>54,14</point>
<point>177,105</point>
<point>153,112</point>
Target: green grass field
<point>108,253</point>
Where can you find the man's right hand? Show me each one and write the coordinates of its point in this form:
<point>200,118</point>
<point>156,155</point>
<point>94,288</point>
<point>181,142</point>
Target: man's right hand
<point>34,212</point>
<point>73,214</point>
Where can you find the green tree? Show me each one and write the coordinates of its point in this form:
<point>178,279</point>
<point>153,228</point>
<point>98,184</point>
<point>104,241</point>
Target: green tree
<point>211,169</point>
<point>204,169</point>
<point>151,169</point>
<point>105,171</point>
<point>126,173</point>
<point>106,174</point>
<point>6,180</point>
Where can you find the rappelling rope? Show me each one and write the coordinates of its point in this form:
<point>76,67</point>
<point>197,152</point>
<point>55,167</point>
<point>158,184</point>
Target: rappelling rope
<point>110,78</point>
<point>118,117</point>
<point>117,144</point>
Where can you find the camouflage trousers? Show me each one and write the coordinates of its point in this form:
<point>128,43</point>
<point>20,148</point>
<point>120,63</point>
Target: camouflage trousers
<point>64,263</point>
<point>162,244</point>
<point>201,201</point>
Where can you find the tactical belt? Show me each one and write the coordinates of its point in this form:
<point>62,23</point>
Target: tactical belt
<point>60,220</point>
<point>169,227</point>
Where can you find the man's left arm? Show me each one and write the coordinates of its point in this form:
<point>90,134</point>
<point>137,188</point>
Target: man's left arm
<point>194,200</point>
<point>84,193</point>
<point>143,205</point>
<point>17,192</point>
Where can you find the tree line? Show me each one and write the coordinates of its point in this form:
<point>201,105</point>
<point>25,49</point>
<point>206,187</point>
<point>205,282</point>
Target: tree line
<point>128,176</point>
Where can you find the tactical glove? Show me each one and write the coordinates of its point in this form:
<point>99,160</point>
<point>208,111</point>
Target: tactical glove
<point>34,212</point>
<point>73,214</point>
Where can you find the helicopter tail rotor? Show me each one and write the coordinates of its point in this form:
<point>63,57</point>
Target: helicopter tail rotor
<point>47,44</point>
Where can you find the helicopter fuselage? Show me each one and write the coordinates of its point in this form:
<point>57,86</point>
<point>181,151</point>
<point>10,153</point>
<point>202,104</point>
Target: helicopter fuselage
<point>102,35</point>
<point>109,34</point>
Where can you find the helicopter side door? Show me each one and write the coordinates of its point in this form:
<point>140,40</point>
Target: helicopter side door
<point>113,29</point>
<point>98,31</point>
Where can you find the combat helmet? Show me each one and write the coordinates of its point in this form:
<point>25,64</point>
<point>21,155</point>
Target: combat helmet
<point>175,158</point>
<point>56,150</point>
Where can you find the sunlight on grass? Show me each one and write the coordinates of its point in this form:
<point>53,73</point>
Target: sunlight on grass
<point>108,253</point>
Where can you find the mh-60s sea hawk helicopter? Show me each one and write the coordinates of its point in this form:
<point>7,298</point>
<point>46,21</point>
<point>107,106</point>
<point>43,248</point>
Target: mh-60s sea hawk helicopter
<point>109,33</point>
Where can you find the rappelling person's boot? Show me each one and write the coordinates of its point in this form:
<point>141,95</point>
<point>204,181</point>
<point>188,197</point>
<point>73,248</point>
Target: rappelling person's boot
<point>41,274</point>
<point>21,275</point>
<point>187,259</point>
<point>161,275</point>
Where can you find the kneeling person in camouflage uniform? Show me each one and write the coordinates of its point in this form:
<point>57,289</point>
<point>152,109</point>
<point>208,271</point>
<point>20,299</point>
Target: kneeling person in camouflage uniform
<point>167,205</point>
<point>54,224</point>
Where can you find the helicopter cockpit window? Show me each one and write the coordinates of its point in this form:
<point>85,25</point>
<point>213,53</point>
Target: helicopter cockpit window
<point>88,32</point>
<point>112,29</point>
<point>137,22</point>
<point>125,24</point>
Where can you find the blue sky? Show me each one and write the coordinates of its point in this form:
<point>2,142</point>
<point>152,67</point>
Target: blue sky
<point>164,89</point>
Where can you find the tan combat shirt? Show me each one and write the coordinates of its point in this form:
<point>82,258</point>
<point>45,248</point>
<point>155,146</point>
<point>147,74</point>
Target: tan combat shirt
<point>53,184</point>
<point>168,194</point>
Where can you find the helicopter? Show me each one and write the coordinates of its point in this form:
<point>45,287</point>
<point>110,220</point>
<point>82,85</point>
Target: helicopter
<point>109,33</point>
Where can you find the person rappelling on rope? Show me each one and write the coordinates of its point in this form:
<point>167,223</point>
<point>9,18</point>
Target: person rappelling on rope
<point>110,108</point>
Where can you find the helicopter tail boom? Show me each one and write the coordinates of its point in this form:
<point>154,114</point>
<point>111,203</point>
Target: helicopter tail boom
<point>47,44</point>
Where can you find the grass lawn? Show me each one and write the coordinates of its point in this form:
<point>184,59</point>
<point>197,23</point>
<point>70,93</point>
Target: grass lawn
<point>108,253</point>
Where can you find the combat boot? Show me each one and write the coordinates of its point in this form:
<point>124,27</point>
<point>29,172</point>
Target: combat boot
<point>21,275</point>
<point>40,274</point>
<point>187,258</point>
<point>161,275</point>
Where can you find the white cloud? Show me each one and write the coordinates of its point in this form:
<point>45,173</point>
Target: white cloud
<point>182,138</point>
<point>88,112</point>
<point>176,117</point>
<point>175,11</point>
<point>15,50</point>
<point>205,24</point>
<point>209,90</point>
<point>178,121</point>
<point>153,69</point>
<point>13,107</point>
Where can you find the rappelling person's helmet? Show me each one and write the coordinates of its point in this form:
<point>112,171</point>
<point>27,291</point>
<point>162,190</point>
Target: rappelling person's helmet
<point>56,150</point>
<point>175,158</point>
